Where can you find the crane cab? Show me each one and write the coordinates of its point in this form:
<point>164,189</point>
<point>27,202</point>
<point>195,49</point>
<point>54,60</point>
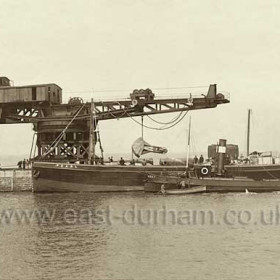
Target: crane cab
<point>51,93</point>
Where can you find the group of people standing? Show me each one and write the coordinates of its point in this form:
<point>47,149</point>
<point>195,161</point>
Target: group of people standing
<point>23,164</point>
<point>199,160</point>
<point>122,161</point>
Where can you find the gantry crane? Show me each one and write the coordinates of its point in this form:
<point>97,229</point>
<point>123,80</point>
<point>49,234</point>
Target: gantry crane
<point>68,124</point>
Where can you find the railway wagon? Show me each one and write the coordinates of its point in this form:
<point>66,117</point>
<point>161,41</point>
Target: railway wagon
<point>32,93</point>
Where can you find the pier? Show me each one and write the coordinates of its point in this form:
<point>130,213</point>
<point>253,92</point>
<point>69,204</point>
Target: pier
<point>15,180</point>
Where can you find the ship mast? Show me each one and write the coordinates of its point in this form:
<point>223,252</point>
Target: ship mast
<point>248,132</point>
<point>91,154</point>
<point>189,142</point>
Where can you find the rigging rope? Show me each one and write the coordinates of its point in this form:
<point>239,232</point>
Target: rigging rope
<point>100,144</point>
<point>160,128</point>
<point>117,117</point>
<point>30,155</point>
<point>121,90</point>
<point>270,174</point>
<point>172,121</point>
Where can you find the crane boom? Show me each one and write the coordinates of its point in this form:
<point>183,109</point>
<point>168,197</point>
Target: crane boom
<point>50,116</point>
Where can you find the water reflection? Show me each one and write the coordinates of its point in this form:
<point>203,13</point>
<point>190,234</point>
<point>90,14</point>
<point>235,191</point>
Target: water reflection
<point>84,250</point>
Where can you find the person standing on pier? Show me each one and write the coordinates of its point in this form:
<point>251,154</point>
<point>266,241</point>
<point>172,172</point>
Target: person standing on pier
<point>23,164</point>
<point>19,164</point>
<point>122,161</point>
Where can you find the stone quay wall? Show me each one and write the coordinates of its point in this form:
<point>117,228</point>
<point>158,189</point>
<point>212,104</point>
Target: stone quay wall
<point>15,180</point>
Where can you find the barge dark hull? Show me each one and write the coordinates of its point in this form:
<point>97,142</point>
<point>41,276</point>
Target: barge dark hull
<point>154,184</point>
<point>52,177</point>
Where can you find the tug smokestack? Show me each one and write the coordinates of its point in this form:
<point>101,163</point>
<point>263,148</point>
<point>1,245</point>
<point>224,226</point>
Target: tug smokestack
<point>221,156</point>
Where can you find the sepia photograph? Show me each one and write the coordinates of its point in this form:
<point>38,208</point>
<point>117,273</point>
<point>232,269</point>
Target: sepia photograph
<point>139,139</point>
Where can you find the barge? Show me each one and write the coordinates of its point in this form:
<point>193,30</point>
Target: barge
<point>61,177</point>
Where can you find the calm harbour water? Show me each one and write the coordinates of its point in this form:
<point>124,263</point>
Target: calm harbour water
<point>113,245</point>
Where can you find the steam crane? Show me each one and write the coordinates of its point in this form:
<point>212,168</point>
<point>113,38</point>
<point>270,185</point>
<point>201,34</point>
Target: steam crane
<point>63,128</point>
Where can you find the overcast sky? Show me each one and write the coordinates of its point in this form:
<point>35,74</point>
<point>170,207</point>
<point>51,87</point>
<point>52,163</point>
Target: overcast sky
<point>89,46</point>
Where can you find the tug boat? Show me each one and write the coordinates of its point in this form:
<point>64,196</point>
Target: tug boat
<point>255,178</point>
